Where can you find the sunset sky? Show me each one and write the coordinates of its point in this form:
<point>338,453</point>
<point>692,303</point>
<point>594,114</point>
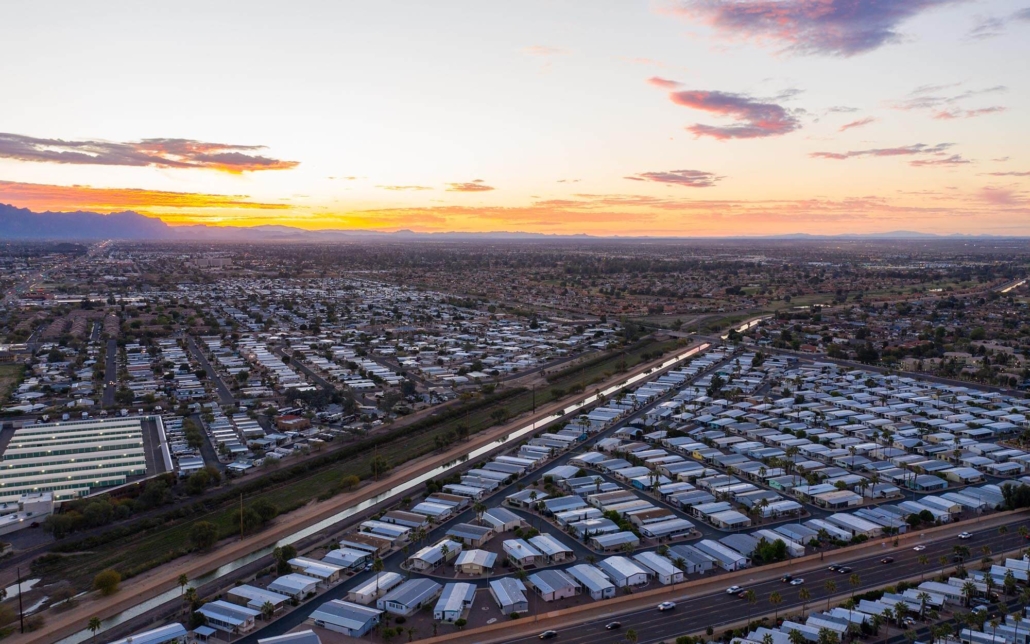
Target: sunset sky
<point>692,118</point>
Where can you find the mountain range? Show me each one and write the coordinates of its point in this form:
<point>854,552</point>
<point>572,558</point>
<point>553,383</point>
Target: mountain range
<point>26,225</point>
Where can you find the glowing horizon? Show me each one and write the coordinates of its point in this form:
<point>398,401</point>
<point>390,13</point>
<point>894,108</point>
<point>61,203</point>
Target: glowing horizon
<point>690,118</point>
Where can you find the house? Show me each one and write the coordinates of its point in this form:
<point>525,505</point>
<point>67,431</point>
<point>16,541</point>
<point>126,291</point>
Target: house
<point>554,584</point>
<point>623,572</point>
<point>475,562</point>
<point>595,581</point>
<point>229,618</point>
<point>409,596</point>
<point>520,553</point>
<point>255,598</point>
<point>351,619</point>
<point>725,557</point>
<point>327,573</point>
<point>380,584</point>
<point>510,595</point>
<point>663,568</point>
<point>502,520</point>
<point>468,534</point>
<point>348,558</point>
<point>614,541</point>
<point>295,585</point>
<point>554,550</point>
<point>690,559</point>
<point>455,599</point>
<point>300,637</point>
<point>170,634</point>
<point>435,555</point>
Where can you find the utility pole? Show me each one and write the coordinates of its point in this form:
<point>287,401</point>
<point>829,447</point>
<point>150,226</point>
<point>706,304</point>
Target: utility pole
<point>533,389</point>
<point>241,516</point>
<point>21,611</point>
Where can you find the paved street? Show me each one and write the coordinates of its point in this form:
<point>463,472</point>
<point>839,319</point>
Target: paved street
<point>224,395</point>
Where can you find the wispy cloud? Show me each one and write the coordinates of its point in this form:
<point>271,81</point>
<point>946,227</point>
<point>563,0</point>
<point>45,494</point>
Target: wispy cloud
<point>933,155</point>
<point>1007,174</point>
<point>158,153</point>
<point>944,98</point>
<point>993,26</point>
<point>471,186</point>
<point>544,50</point>
<point>754,117</point>
<point>685,178</point>
<point>859,123</point>
<point>50,197</point>
<point>405,188</point>
<point>826,27</point>
<point>968,114</point>
<point>664,83</point>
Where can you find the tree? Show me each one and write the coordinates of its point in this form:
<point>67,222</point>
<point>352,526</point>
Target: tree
<point>107,581</point>
<point>379,466</point>
<point>350,482</point>
<point>752,599</point>
<point>265,509</point>
<point>831,587</point>
<point>797,637</point>
<point>267,610</point>
<point>804,596</point>
<point>923,561</point>
<point>854,581</point>
<point>968,592</point>
<point>94,625</point>
<point>203,535</point>
<point>775,599</point>
<point>631,636</point>
<point>183,582</point>
<point>923,598</point>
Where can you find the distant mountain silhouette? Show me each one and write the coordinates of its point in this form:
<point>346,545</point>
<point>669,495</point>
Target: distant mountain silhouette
<point>23,224</point>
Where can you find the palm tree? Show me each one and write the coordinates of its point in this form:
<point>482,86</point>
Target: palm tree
<point>854,581</point>
<point>968,591</point>
<point>411,630</point>
<point>797,637</point>
<point>923,598</point>
<point>183,582</point>
<point>752,599</point>
<point>267,610</point>
<point>377,567</point>
<point>631,636</point>
<point>804,596</point>
<point>775,599</point>
<point>943,561</point>
<point>480,509</point>
<point>191,596</point>
<point>831,587</point>
<point>888,615</point>
<point>94,625</point>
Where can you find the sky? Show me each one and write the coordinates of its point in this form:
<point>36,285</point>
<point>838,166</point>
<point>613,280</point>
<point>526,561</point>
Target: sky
<point>600,117</point>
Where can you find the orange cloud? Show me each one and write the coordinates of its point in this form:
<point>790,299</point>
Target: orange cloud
<point>157,153</point>
<point>471,186</point>
<point>38,197</point>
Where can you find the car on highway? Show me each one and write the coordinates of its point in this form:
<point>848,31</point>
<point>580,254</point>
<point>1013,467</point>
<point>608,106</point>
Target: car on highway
<point>887,560</point>
<point>919,548</point>
<point>786,578</point>
<point>612,626</point>
<point>833,567</point>
<point>965,535</point>
<point>664,606</point>
<point>843,570</point>
<point>909,621</point>
<point>733,590</point>
<point>797,581</point>
<point>548,635</point>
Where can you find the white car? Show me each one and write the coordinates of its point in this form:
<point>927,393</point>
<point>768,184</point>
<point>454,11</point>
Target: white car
<point>965,535</point>
<point>919,548</point>
<point>664,606</point>
<point>797,581</point>
<point>733,590</point>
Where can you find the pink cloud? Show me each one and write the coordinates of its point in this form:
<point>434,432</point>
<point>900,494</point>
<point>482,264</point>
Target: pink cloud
<point>967,114</point>
<point>827,27</point>
<point>685,178</point>
<point>470,186</point>
<point>754,118</point>
<point>905,150</point>
<point>953,160</point>
<point>664,83</point>
<point>858,123</point>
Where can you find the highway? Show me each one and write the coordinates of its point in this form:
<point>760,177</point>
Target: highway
<point>717,609</point>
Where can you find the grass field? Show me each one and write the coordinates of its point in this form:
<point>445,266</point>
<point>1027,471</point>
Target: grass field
<point>10,376</point>
<point>145,549</point>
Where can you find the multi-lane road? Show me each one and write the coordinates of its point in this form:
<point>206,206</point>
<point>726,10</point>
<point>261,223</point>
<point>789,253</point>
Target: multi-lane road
<point>717,609</point>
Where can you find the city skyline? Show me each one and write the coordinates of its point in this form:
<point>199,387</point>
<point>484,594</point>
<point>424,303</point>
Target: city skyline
<point>695,118</point>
